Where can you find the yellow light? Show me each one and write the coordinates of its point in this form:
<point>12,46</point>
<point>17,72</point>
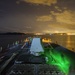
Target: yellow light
<point>68,33</point>
<point>46,40</point>
<point>56,31</point>
<point>38,33</point>
<point>26,40</point>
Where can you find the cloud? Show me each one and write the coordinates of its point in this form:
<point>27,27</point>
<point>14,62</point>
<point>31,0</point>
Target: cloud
<point>58,9</point>
<point>60,27</point>
<point>44,18</point>
<point>59,21</point>
<point>67,17</point>
<point>42,2</point>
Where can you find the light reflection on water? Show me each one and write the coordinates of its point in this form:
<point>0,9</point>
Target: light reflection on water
<point>65,41</point>
<point>68,43</point>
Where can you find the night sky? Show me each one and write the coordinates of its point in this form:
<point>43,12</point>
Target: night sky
<point>46,16</point>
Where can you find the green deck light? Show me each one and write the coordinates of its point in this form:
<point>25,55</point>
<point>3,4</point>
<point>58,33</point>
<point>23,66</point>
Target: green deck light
<point>59,59</point>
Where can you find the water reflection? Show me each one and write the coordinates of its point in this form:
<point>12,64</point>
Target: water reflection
<point>65,41</point>
<point>68,42</point>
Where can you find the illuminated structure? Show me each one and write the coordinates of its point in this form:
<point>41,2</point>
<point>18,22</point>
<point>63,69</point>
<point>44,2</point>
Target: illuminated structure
<point>36,46</point>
